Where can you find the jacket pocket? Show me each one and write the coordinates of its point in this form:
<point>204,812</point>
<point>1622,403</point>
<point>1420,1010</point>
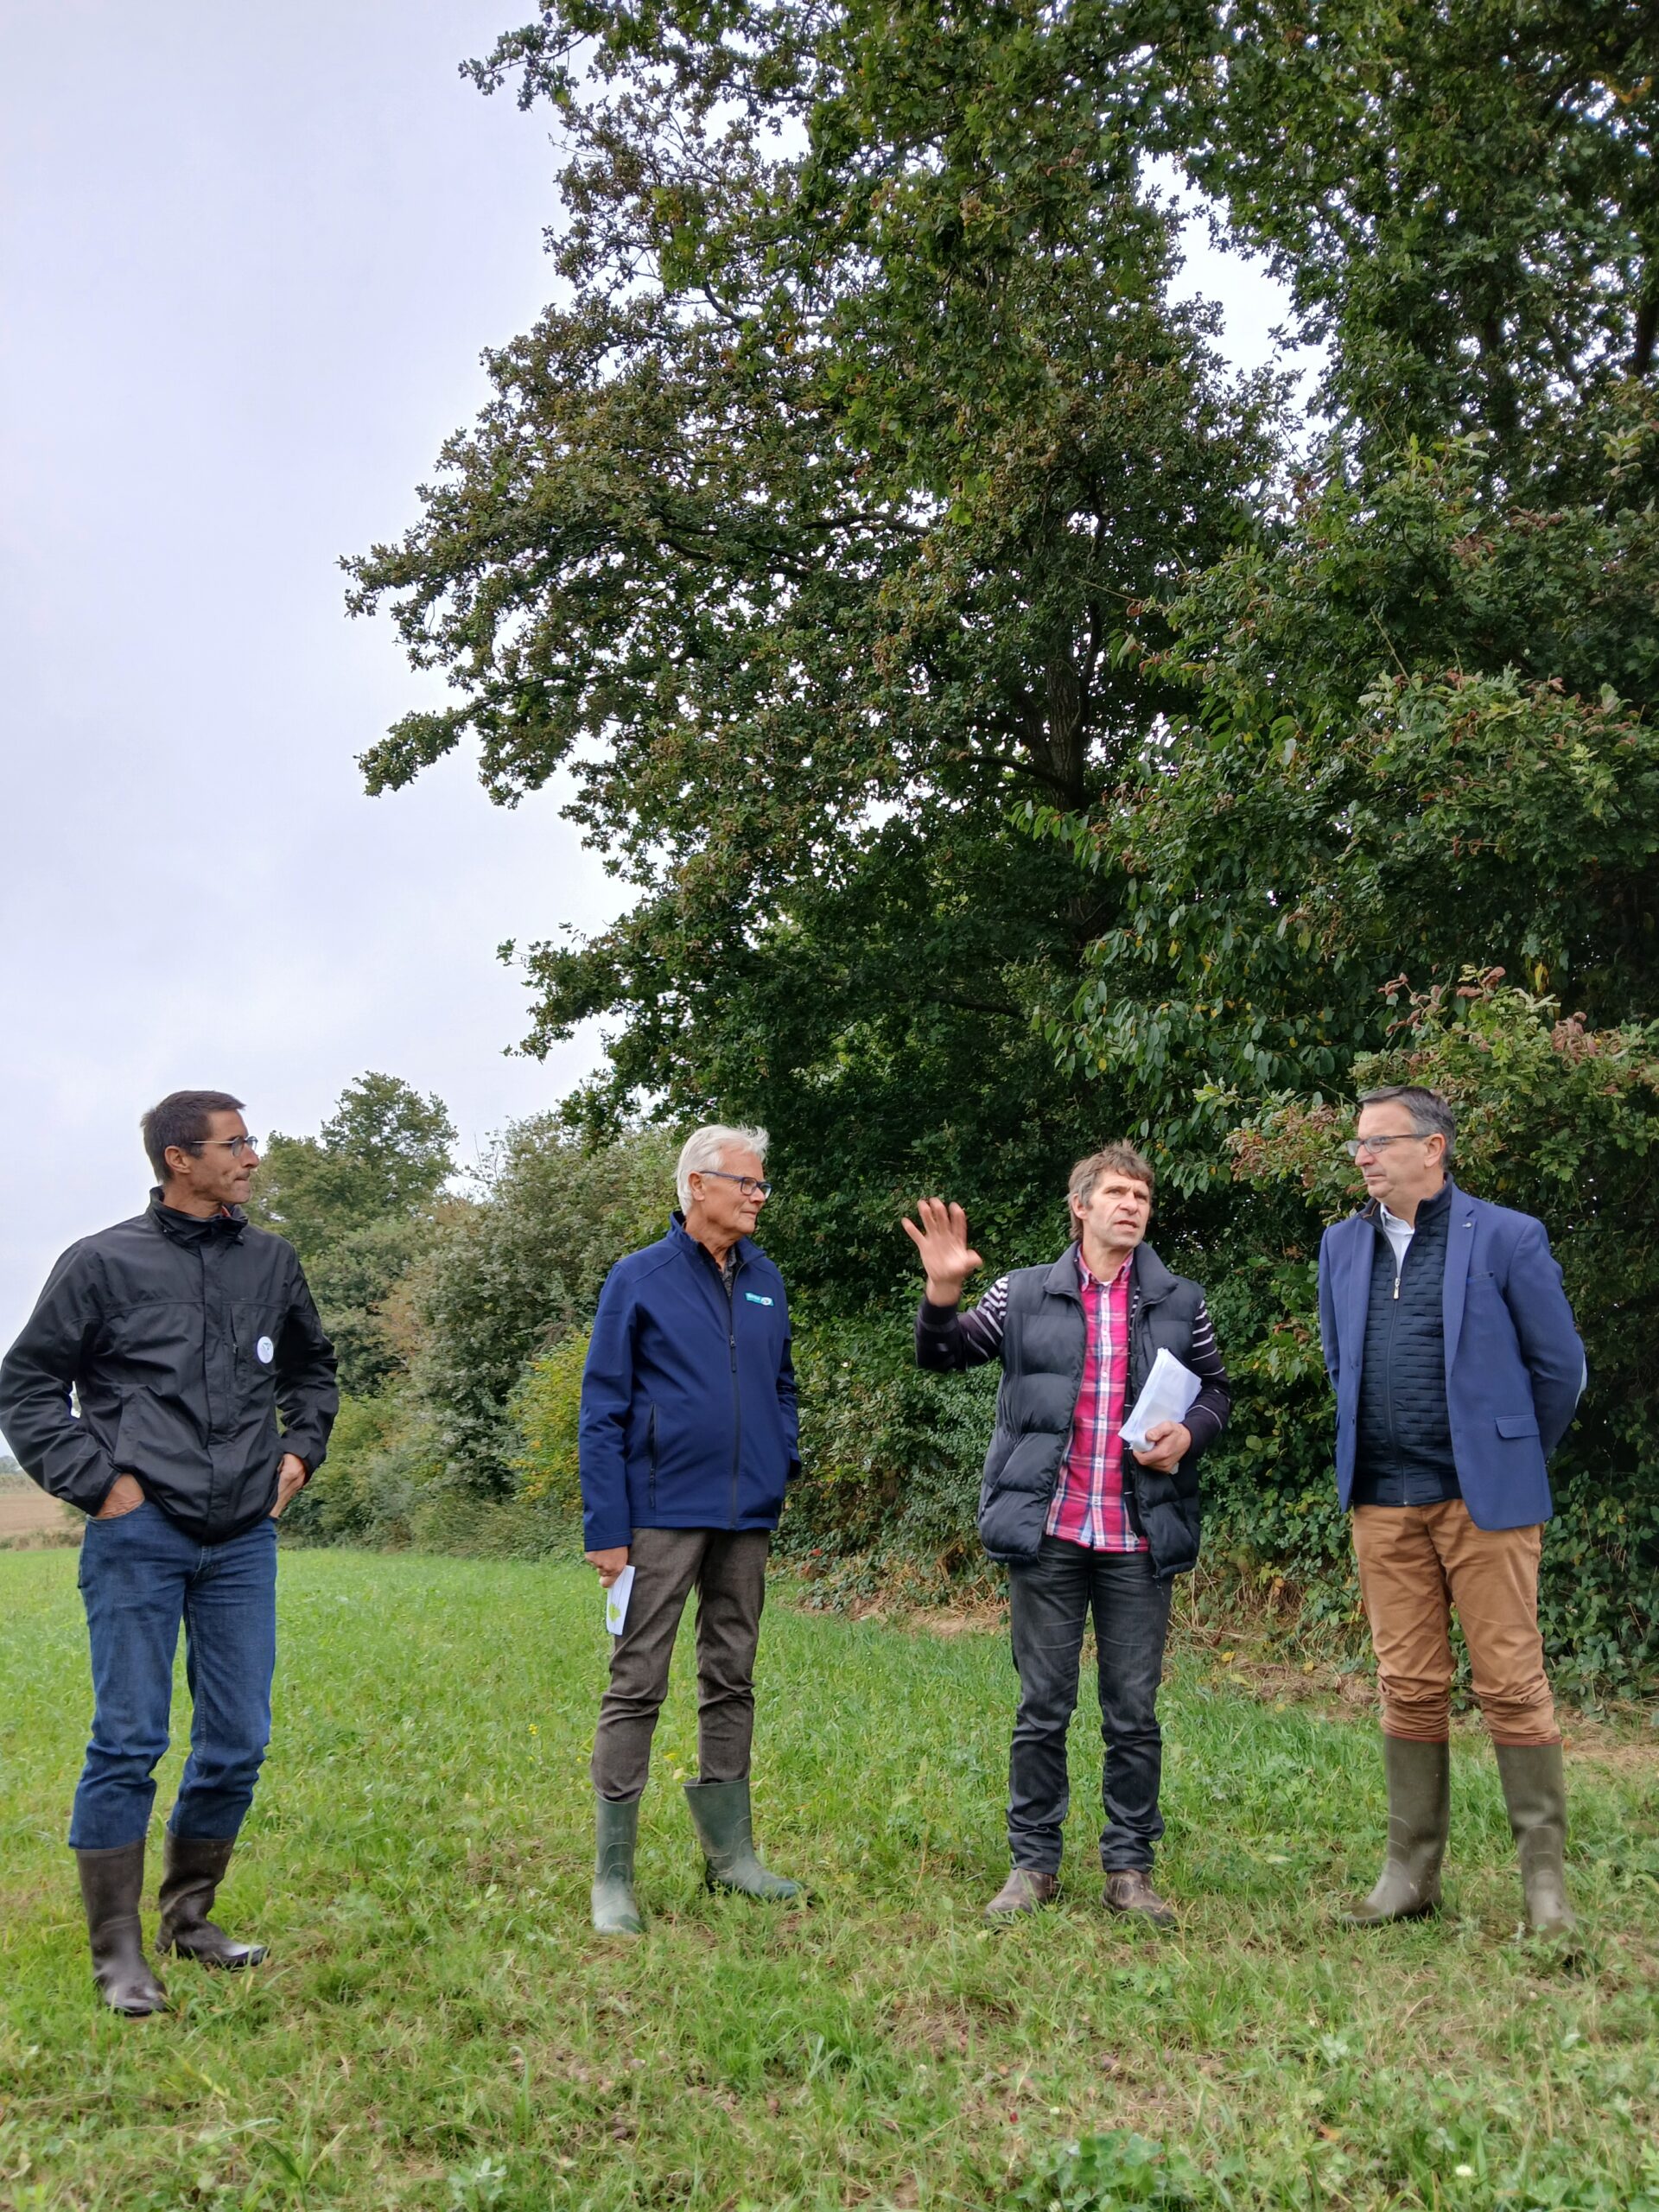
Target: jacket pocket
<point>651,1457</point>
<point>1517,1424</point>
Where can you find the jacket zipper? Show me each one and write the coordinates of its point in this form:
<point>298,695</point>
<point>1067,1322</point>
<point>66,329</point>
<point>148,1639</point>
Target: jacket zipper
<point>1394,1439</point>
<point>737,1394</point>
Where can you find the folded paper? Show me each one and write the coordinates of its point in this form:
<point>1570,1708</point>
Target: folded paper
<point>1167,1395</point>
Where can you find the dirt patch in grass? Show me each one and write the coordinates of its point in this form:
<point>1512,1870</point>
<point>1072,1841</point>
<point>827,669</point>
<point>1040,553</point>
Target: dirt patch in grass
<point>30,1520</point>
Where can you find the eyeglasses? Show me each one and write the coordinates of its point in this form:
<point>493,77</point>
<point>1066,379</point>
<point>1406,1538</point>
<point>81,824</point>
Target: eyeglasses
<point>1355,1146</point>
<point>235,1145</point>
<point>747,1184</point>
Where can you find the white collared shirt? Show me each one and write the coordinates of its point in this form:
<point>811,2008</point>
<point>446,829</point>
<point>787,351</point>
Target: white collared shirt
<point>1399,1234</point>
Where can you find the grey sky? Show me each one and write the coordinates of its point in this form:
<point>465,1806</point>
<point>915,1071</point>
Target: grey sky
<point>248,259</point>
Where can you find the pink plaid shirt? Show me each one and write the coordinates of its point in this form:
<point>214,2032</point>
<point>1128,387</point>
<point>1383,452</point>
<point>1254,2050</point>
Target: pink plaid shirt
<point>1088,1507</point>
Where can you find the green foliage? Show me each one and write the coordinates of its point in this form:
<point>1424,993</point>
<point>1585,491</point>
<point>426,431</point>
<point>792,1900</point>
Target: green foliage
<point>384,1153</point>
<point>1404,755</point>
<point>546,1411</point>
<point>358,1202</point>
<point>807,524</point>
<point>1558,1120</point>
<point>1461,199</point>
<point>381,1461</point>
<point>1014,732</point>
<point>1118,2169</point>
<point>510,1275</point>
<point>891,1458</point>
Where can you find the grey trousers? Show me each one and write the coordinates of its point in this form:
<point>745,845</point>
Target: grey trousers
<point>728,1568</point>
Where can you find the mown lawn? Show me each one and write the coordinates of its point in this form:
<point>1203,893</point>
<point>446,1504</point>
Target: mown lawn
<point>438,2028</point>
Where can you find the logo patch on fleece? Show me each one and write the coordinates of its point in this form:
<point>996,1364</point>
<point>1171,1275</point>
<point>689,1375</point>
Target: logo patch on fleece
<point>755,1299</point>
<point>265,1352</point>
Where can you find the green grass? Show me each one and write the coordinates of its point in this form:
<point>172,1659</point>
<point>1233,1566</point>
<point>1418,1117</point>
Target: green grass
<point>438,2027</point>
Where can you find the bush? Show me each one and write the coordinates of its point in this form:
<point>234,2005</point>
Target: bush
<point>545,1410</point>
<point>382,1456</point>
<point>891,1460</point>
<point>1555,1120</point>
<point>512,1276</point>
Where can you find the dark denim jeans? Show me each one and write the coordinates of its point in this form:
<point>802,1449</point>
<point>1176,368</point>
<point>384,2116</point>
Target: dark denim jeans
<point>140,1576</point>
<point>1049,1605</point>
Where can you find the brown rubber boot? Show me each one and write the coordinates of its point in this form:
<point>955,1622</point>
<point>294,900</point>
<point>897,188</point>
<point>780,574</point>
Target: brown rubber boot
<point>1025,1890</point>
<point>112,1883</point>
<point>1129,1890</point>
<point>1535,1789</point>
<point>1419,1814</point>
<point>191,1877</point>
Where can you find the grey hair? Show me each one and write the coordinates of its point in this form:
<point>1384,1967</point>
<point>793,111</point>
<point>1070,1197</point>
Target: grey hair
<point>1431,1115</point>
<point>708,1147</point>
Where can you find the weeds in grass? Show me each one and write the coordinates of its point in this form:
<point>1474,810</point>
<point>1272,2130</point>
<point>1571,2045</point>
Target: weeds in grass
<point>438,2028</point>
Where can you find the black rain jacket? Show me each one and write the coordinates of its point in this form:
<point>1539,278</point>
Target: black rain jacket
<point>181,1339</point>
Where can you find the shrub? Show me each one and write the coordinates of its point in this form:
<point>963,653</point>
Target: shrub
<point>382,1456</point>
<point>890,1459</point>
<point>1555,1120</point>
<point>510,1275</point>
<point>546,1410</point>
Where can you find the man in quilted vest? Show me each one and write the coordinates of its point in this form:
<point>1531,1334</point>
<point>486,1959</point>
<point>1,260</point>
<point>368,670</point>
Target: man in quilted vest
<point>1456,1367</point>
<point>1084,1523</point>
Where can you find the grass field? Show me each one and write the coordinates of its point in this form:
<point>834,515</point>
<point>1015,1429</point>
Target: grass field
<point>438,2028</point>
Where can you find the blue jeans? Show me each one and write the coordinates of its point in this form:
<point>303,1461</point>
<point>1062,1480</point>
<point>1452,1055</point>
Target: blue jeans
<point>1049,1599</point>
<point>140,1576</point>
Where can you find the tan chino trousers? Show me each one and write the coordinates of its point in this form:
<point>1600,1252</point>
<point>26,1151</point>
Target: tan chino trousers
<point>1416,1562</point>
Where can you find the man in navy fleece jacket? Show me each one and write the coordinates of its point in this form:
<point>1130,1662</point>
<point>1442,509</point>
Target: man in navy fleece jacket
<point>688,1438</point>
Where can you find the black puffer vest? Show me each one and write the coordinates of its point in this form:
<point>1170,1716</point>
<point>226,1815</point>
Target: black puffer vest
<point>1403,1435</point>
<point>1044,1340</point>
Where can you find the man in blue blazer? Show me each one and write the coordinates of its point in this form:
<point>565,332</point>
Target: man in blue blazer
<point>687,1438</point>
<point>1457,1368</point>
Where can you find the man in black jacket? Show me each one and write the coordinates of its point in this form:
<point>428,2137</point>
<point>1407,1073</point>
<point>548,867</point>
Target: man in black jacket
<point>182,1334</point>
<point>1082,1522</point>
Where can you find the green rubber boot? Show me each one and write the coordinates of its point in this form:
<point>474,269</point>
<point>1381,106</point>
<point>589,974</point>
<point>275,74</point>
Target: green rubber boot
<point>1420,1813</point>
<point>616,1821</point>
<point>720,1814</point>
<point>1535,1789</point>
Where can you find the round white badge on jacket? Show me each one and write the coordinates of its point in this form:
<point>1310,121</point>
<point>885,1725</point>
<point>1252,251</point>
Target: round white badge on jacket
<point>266,1349</point>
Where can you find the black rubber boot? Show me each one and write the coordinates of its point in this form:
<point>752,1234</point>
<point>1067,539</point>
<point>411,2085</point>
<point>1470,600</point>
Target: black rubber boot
<point>112,1883</point>
<point>720,1814</point>
<point>190,1878</point>
<point>1420,1813</point>
<point>1535,1789</point>
<point>616,1825</point>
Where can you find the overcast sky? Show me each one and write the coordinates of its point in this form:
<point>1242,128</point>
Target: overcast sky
<point>248,259</point>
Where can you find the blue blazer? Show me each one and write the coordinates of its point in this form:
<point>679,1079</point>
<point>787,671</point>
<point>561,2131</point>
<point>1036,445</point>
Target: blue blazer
<point>688,1398</point>
<point>1514,1363</point>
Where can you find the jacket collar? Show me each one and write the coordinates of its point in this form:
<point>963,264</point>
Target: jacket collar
<point>1447,1195</point>
<point>191,1228</point>
<point>1149,1277</point>
<point>679,1235</point>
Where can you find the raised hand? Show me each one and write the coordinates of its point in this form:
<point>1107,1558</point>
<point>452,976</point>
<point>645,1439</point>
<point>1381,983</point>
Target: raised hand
<point>942,1240</point>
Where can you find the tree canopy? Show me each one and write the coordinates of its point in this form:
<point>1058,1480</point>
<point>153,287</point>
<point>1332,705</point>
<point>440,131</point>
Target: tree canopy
<point>356,1201</point>
<point>1015,727</point>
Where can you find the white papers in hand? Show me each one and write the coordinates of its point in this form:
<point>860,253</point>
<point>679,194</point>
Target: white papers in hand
<point>1167,1395</point>
<point>616,1601</point>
